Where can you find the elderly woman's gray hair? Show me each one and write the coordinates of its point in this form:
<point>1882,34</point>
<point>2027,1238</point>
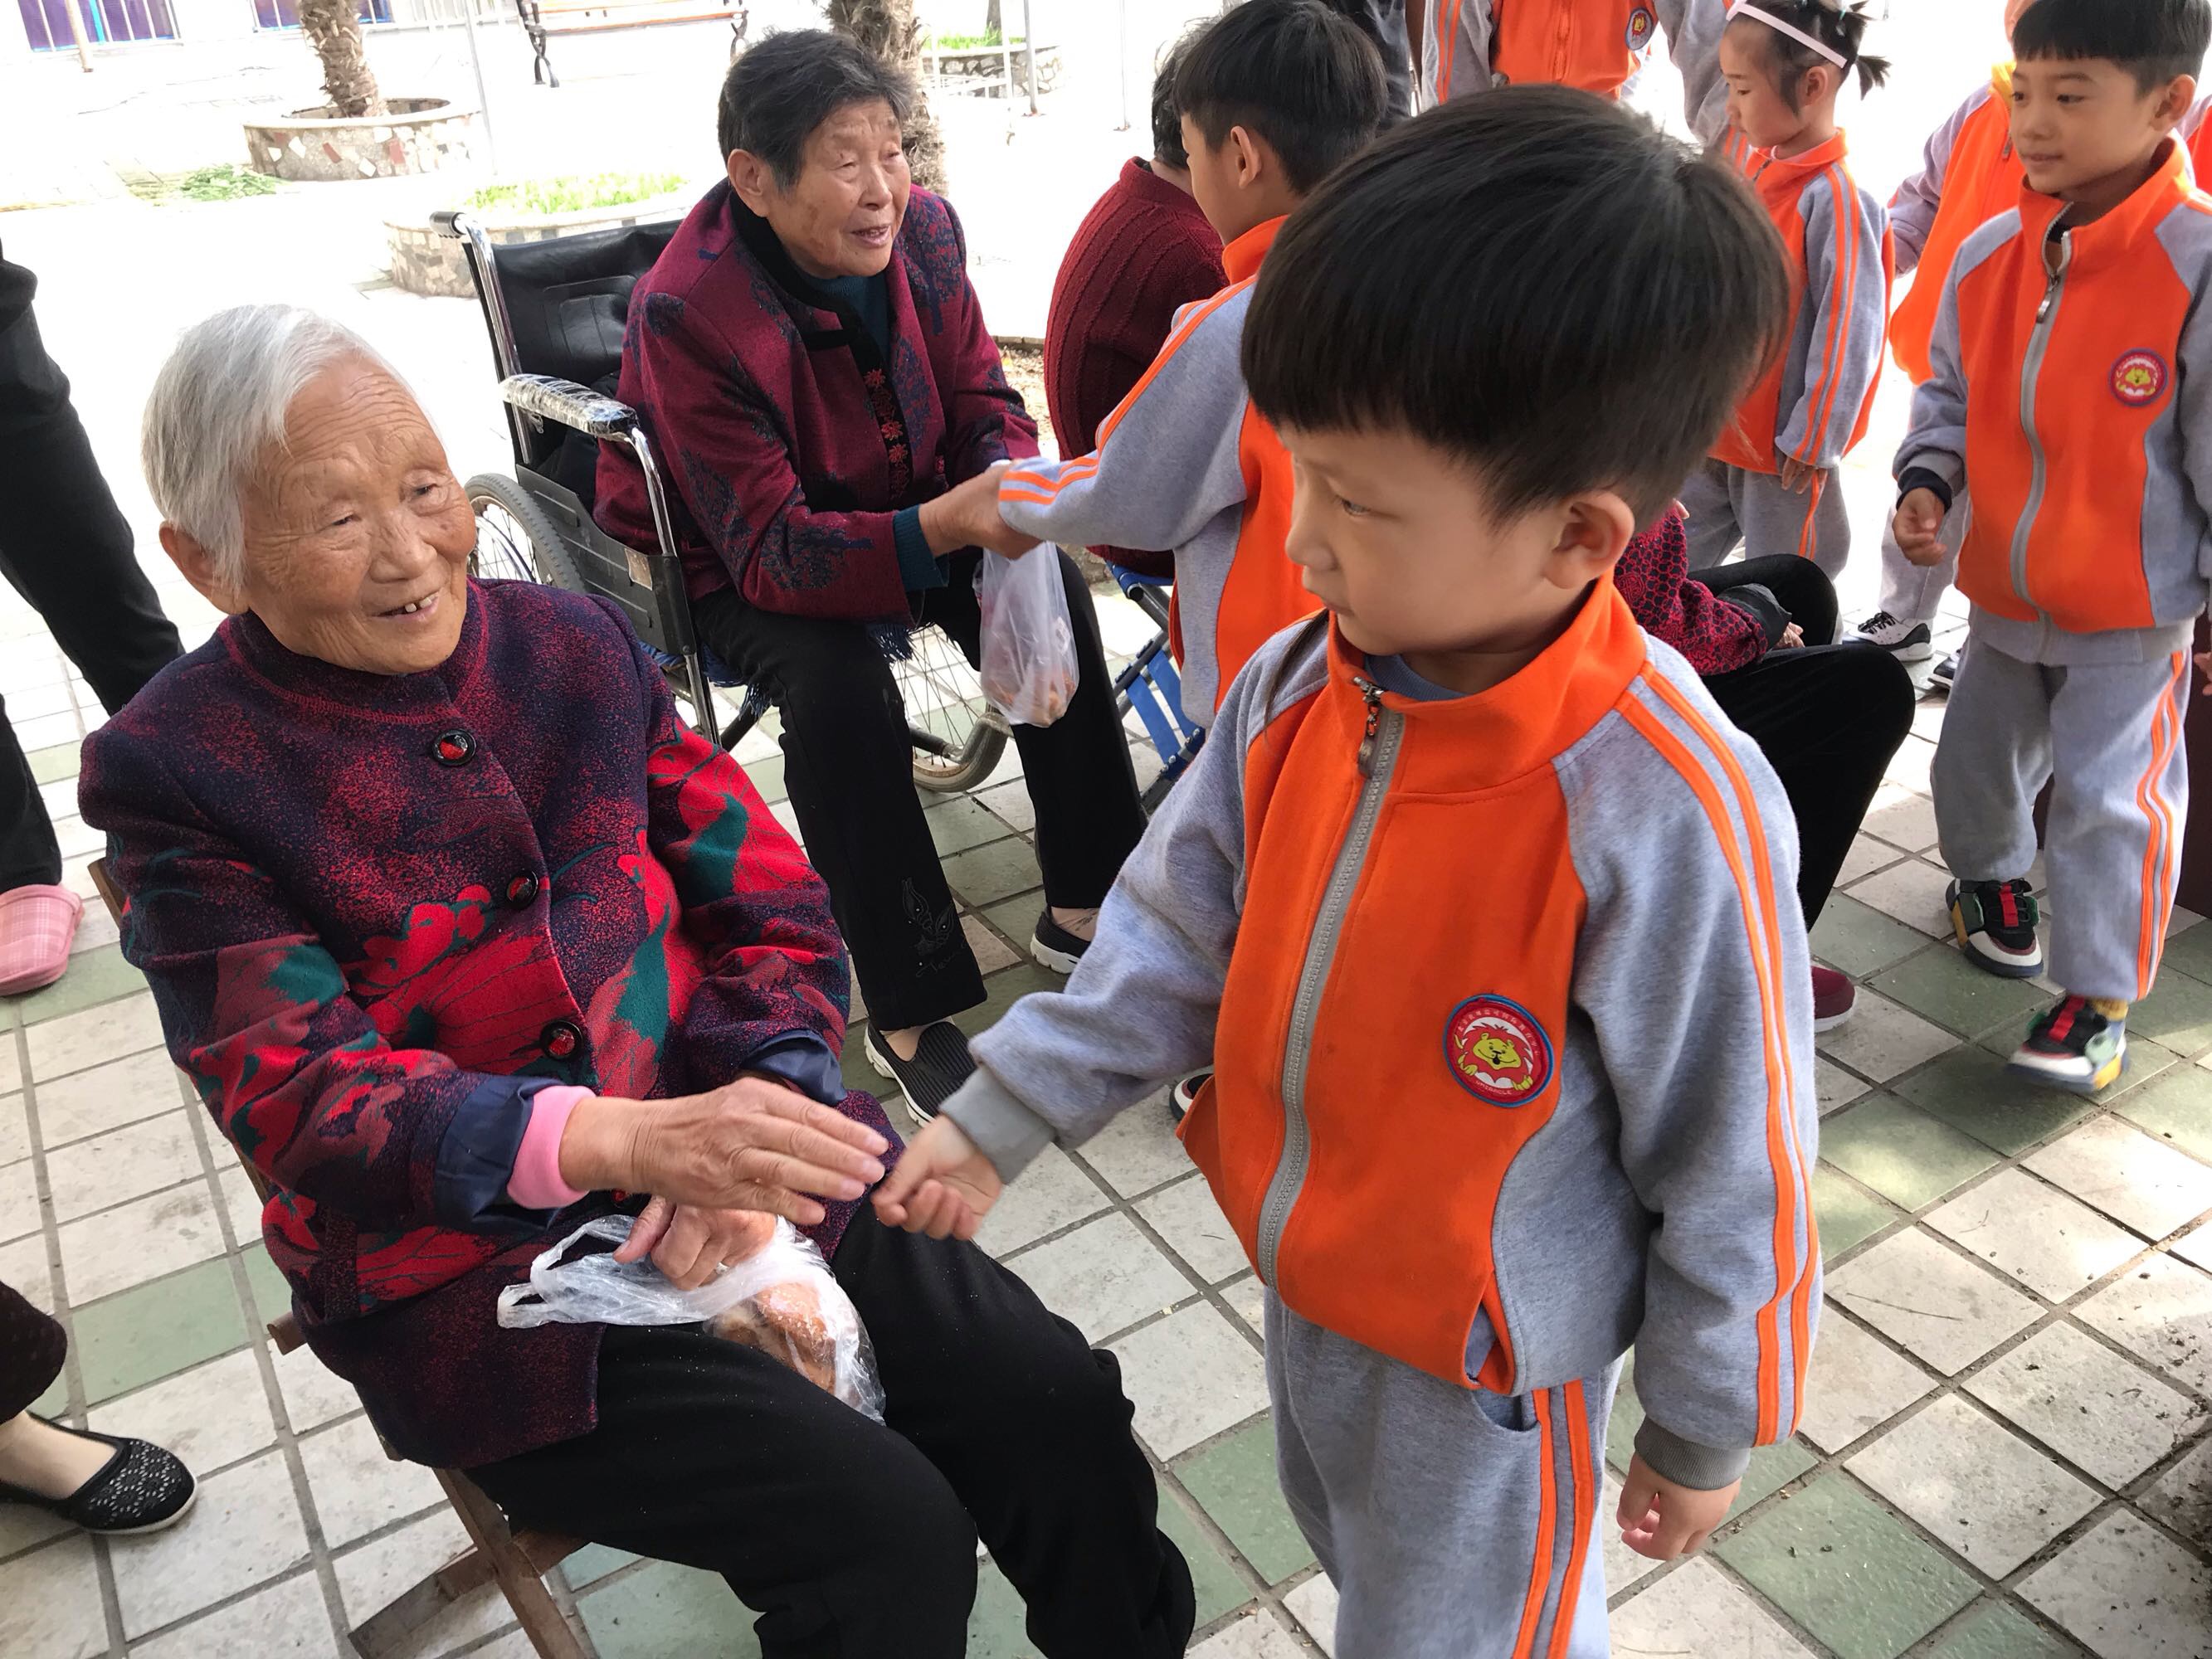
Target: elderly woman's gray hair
<point>789,84</point>
<point>219,404</point>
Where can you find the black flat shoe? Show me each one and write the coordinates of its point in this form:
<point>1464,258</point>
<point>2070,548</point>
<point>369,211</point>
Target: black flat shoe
<point>1052,946</point>
<point>141,1488</point>
<point>940,1064</point>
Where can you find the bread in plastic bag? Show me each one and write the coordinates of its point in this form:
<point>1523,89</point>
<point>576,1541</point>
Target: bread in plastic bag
<point>1028,668</point>
<point>782,1299</point>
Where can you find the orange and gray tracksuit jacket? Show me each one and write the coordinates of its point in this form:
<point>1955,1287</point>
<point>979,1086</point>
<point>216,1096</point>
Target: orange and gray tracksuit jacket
<point>1969,174</point>
<point>1185,462</point>
<point>2070,387</point>
<point>1471,45</point>
<point>1814,401</point>
<point>1507,1000</point>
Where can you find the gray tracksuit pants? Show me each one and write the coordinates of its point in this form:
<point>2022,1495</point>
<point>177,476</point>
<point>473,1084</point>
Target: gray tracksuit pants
<point>2108,736</point>
<point>1447,1518</point>
<point>1730,507</point>
<point>1912,593</point>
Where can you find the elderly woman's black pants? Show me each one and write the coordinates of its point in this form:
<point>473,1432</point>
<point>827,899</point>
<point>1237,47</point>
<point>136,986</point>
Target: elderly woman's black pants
<point>32,1346</point>
<point>847,765</point>
<point>853,1539</point>
<point>66,547</point>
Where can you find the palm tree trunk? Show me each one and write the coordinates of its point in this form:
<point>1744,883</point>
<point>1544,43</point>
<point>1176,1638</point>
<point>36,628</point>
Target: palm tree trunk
<point>333,29</point>
<point>890,29</point>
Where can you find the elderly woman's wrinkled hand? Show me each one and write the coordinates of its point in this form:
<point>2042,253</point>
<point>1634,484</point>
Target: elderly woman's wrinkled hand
<point>967,515</point>
<point>749,1144</point>
<point>690,1243</point>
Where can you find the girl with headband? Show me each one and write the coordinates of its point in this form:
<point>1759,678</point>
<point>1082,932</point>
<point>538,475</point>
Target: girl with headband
<point>1768,483</point>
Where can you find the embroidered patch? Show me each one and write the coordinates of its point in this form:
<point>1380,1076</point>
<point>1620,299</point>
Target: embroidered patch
<point>1497,1051</point>
<point>1641,23</point>
<point>2138,378</point>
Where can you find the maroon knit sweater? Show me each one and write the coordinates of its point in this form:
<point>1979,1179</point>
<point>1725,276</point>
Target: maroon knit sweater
<point>1142,251</point>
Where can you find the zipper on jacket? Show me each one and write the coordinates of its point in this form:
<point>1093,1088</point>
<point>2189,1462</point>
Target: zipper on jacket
<point>2031,371</point>
<point>1378,758</point>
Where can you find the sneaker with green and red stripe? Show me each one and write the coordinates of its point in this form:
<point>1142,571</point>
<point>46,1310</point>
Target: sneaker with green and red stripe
<point>2074,1047</point>
<point>1995,921</point>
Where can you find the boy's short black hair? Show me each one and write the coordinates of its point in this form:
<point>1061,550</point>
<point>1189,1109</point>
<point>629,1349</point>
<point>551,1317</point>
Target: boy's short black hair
<point>789,83</point>
<point>1167,114</point>
<point>1291,72</point>
<point>2153,40</point>
<point>1536,282</point>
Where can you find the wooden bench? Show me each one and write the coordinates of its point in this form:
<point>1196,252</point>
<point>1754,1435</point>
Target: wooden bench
<point>516,1561</point>
<point>543,19</point>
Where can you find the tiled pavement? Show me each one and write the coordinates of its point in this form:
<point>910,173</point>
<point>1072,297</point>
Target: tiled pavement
<point>2006,1455</point>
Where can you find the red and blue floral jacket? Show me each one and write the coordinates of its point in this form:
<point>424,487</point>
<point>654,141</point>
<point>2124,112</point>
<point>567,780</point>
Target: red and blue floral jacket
<point>379,913</point>
<point>795,443</point>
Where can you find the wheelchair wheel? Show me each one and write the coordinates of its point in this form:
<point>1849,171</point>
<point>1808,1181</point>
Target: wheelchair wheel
<point>516,541</point>
<point>957,736</point>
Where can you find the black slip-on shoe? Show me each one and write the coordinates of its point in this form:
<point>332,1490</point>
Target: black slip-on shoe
<point>940,1064</point>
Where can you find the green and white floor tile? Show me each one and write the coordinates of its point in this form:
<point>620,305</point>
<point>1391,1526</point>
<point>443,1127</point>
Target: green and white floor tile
<point>2005,1454</point>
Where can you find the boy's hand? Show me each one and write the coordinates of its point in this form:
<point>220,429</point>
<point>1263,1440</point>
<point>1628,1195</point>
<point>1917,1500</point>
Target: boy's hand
<point>1798,477</point>
<point>2204,667</point>
<point>1918,524</point>
<point>941,1185</point>
<point>1663,1520</point>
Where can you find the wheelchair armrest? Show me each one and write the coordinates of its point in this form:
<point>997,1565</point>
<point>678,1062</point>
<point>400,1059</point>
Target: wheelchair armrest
<point>568,405</point>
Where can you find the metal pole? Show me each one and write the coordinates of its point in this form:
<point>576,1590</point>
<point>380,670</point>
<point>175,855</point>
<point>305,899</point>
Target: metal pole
<point>1124,127</point>
<point>76,32</point>
<point>483,101</point>
<point>1029,51</point>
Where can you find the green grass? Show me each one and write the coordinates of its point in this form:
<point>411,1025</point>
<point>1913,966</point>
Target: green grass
<point>569,194</point>
<point>967,42</point>
<point>226,183</point>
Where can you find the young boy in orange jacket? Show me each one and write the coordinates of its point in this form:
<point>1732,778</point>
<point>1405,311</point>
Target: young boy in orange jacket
<point>1970,173</point>
<point>1481,906</point>
<point>1770,482</point>
<point>2071,391</point>
<point>1274,95</point>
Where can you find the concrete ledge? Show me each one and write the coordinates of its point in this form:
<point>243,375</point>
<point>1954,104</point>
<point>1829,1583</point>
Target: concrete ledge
<point>423,261</point>
<point>311,146</point>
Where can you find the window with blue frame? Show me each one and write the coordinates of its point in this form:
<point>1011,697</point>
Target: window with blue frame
<point>106,22</point>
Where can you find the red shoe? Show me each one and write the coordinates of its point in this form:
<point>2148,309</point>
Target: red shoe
<point>36,925</point>
<point>1833,998</point>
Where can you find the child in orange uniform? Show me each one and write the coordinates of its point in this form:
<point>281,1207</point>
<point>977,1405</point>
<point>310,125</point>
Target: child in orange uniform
<point>2071,392</point>
<point>1769,481</point>
<point>1483,908</point>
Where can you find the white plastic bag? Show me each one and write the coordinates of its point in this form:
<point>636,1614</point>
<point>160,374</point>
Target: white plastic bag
<point>1028,670</point>
<point>782,1299</point>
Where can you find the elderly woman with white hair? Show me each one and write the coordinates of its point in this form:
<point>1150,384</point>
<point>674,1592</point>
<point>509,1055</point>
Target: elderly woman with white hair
<point>464,938</point>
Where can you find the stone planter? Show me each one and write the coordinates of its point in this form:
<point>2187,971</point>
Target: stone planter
<point>414,135</point>
<point>423,261</point>
<point>984,63</point>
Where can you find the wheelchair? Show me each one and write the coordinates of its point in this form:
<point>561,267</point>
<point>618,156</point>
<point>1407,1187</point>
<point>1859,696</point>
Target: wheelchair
<point>555,310</point>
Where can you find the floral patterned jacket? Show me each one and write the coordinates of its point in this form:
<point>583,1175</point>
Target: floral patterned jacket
<point>379,913</point>
<point>790,442</point>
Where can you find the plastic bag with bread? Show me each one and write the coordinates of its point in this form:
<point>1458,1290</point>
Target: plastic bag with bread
<point>782,1299</point>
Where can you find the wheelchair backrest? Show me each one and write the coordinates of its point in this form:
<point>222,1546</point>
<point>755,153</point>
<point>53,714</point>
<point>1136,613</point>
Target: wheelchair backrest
<point>566,299</point>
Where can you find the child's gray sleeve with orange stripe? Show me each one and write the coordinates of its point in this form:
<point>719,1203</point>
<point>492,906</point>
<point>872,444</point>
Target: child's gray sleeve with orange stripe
<point>1844,321</point>
<point>1935,441</point>
<point>1693,969</point>
<point>1166,464</point>
<point>1913,208</point>
<point>1139,1009</point>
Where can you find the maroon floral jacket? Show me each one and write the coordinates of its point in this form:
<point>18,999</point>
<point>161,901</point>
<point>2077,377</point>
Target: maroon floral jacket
<point>1714,633</point>
<point>379,913</point>
<point>791,442</point>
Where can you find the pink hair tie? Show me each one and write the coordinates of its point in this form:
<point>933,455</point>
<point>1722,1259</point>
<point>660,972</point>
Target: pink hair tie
<point>1745,8</point>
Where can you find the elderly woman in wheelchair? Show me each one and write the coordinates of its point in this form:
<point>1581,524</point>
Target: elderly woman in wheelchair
<point>810,361</point>
<point>464,938</point>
